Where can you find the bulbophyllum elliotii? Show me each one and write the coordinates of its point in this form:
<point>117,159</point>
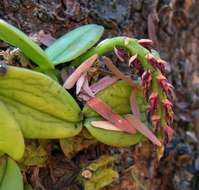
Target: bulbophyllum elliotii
<point>158,93</point>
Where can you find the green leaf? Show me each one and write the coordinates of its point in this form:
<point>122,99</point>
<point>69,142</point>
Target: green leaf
<point>14,36</point>
<point>11,138</point>
<point>40,106</point>
<point>74,43</point>
<point>12,177</point>
<point>117,96</point>
<point>52,73</point>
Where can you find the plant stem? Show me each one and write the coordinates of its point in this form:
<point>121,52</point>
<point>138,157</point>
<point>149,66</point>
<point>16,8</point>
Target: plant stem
<point>131,45</point>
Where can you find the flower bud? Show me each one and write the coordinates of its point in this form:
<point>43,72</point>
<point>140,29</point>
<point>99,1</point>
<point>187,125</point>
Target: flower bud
<point>155,120</point>
<point>146,79</point>
<point>161,65</point>
<point>168,132</point>
<point>120,53</point>
<point>152,60</point>
<point>168,106</point>
<point>146,83</point>
<point>136,63</point>
<point>146,43</point>
<point>153,101</point>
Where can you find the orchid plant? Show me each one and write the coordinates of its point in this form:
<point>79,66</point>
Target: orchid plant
<point>117,109</point>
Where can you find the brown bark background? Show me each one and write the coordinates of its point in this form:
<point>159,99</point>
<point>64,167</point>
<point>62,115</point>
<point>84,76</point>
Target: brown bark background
<point>174,27</point>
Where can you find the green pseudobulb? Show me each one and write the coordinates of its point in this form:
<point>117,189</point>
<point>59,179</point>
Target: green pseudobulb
<point>118,97</point>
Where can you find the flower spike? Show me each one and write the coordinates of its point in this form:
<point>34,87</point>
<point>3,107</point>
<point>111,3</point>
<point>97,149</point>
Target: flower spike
<point>168,132</point>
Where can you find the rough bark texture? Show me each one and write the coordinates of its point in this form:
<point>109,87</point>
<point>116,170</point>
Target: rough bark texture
<point>174,27</point>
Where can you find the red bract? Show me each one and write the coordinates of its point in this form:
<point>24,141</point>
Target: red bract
<point>105,125</point>
<point>84,67</point>
<point>103,83</point>
<point>161,65</point>
<point>166,86</point>
<point>156,63</point>
<point>153,100</point>
<point>146,82</point>
<point>83,96</point>
<point>161,77</point>
<point>136,63</point>
<point>120,53</point>
<point>80,82</point>
<point>86,88</point>
<point>146,43</point>
<point>134,106</point>
<point>146,79</point>
<point>168,109</point>
<point>162,81</point>
<point>152,60</point>
<point>106,112</point>
<point>155,120</point>
<point>142,129</point>
<point>118,73</point>
<point>169,133</point>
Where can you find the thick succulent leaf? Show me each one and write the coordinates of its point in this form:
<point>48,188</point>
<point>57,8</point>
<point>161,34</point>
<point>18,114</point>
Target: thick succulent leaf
<point>14,36</point>
<point>74,43</point>
<point>12,177</point>
<point>11,138</point>
<point>116,96</point>
<point>52,73</point>
<point>40,106</point>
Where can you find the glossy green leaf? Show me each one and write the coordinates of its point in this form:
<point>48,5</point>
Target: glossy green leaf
<point>40,106</point>
<point>14,36</point>
<point>12,179</point>
<point>118,97</point>
<point>74,43</point>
